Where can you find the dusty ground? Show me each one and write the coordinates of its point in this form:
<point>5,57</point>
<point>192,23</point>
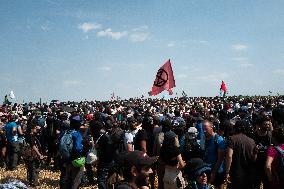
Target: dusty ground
<point>48,179</point>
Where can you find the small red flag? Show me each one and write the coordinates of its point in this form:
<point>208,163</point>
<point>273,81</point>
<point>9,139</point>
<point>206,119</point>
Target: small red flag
<point>223,87</point>
<point>164,80</point>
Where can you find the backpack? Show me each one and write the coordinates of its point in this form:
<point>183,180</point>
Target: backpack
<point>280,167</point>
<point>66,144</point>
<point>117,138</point>
<point>191,148</point>
<point>159,142</point>
<point>27,151</point>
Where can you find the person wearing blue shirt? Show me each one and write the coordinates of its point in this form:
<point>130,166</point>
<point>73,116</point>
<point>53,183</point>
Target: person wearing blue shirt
<point>214,154</point>
<point>72,175</point>
<point>13,144</point>
<point>200,132</point>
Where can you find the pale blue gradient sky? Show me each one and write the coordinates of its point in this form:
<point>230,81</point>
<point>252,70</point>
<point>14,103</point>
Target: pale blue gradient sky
<point>76,50</point>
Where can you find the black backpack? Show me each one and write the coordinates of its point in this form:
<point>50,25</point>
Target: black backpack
<point>191,148</point>
<point>280,168</point>
<point>117,138</point>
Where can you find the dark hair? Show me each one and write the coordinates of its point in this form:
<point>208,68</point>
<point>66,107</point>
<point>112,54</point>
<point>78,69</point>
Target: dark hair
<point>177,113</point>
<point>241,126</point>
<point>166,125</point>
<point>278,116</point>
<point>260,119</point>
<point>169,140</point>
<point>278,134</point>
<point>126,172</point>
<point>147,123</point>
<point>156,120</point>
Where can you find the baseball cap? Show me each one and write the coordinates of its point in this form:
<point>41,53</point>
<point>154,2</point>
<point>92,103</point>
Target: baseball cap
<point>138,159</point>
<point>192,130</point>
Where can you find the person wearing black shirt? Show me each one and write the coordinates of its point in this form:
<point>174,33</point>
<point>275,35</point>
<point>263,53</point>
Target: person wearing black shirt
<point>105,155</point>
<point>33,162</point>
<point>240,158</point>
<point>262,139</point>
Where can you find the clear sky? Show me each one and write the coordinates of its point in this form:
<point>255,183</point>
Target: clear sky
<point>76,50</point>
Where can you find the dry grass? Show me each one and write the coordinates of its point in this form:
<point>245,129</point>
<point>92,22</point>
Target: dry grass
<point>47,179</point>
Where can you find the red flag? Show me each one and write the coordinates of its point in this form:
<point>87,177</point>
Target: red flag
<point>164,80</point>
<point>223,87</point>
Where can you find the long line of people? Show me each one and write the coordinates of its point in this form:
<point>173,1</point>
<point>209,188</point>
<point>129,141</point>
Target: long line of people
<point>183,142</point>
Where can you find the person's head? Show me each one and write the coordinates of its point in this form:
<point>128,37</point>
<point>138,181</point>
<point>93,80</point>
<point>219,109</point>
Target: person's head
<point>75,122</point>
<point>34,128</point>
<point>208,128</point>
<point>37,113</point>
<point>99,126</point>
<point>241,126</point>
<point>170,139</point>
<point>278,136</point>
<point>4,119</point>
<point>166,125</point>
<point>132,123</point>
<point>156,120</point>
<point>137,167</point>
<point>147,123</point>
<point>265,123</point>
<point>192,132</point>
<point>278,117</point>
<point>197,170</point>
<point>64,116</point>
<point>177,113</point>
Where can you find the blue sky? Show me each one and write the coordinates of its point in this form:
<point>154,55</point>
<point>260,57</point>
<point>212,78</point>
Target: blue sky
<point>76,50</point>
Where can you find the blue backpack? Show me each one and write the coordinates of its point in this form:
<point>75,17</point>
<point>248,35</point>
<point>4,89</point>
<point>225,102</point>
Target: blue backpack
<point>280,168</point>
<point>66,144</point>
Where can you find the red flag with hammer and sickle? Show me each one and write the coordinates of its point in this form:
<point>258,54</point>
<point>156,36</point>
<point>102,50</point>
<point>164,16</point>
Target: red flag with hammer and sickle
<point>164,80</point>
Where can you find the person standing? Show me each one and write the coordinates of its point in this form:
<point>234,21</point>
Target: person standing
<point>214,154</point>
<point>74,164</point>
<point>171,156</point>
<point>130,134</point>
<point>273,165</point>
<point>106,154</point>
<point>11,130</point>
<point>3,142</point>
<point>263,139</point>
<point>33,161</point>
<point>240,158</point>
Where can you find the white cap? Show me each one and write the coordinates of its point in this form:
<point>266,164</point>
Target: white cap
<point>91,158</point>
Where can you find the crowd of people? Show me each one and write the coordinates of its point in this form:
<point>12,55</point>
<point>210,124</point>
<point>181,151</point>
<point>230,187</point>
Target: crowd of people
<point>186,142</point>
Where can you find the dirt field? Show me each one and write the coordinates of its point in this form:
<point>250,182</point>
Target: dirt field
<point>48,179</point>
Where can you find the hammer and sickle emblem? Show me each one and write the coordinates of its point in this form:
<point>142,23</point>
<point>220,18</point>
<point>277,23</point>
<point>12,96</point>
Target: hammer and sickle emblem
<point>161,78</point>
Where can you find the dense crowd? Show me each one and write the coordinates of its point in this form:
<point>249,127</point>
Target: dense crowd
<point>187,142</point>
